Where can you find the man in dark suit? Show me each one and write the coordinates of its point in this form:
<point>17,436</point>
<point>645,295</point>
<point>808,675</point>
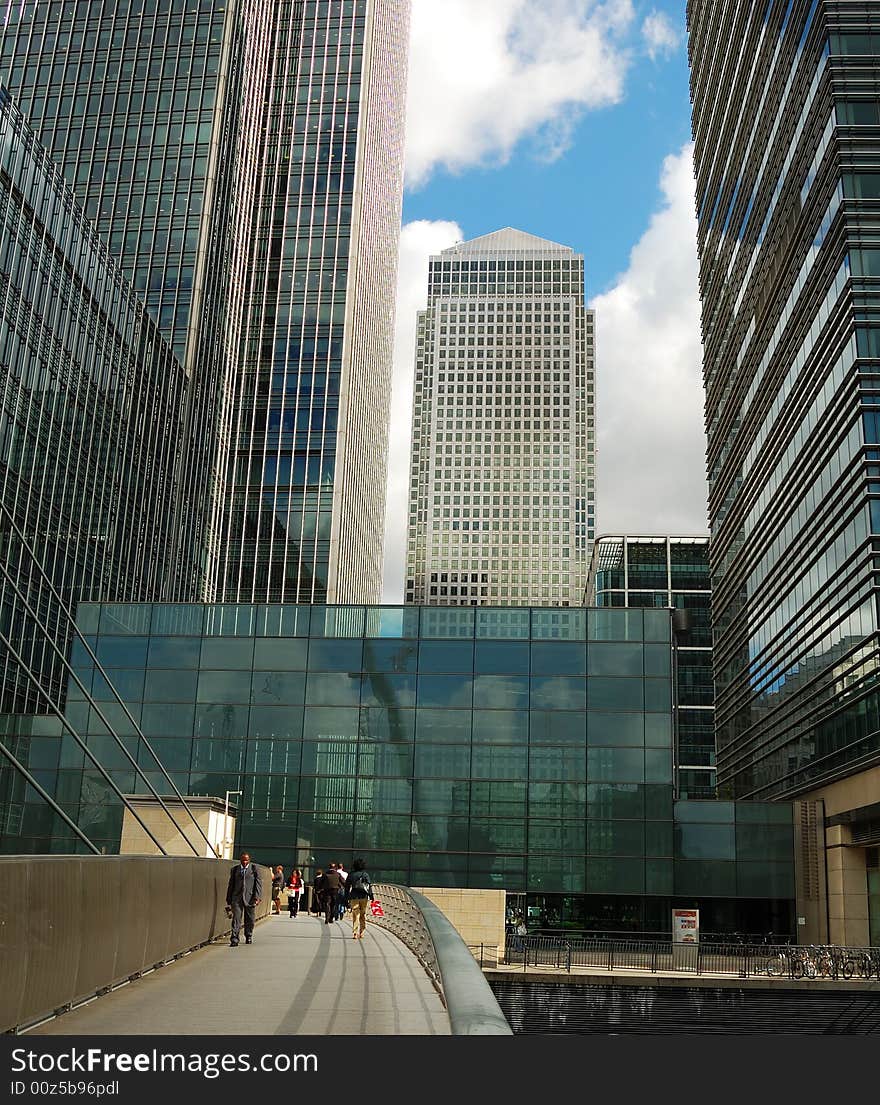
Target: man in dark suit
<point>242,895</point>
<point>332,886</point>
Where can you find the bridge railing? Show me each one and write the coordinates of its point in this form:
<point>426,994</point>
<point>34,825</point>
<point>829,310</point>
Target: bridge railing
<point>741,960</point>
<point>72,927</point>
<point>473,1008</point>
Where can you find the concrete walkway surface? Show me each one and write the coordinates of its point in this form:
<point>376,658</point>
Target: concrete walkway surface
<point>299,977</point>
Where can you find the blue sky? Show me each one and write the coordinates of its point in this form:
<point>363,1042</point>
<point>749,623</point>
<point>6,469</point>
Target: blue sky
<point>596,197</point>
<point>569,119</point>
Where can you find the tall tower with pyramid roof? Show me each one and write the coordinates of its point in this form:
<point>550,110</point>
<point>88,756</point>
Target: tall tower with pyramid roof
<point>502,472</point>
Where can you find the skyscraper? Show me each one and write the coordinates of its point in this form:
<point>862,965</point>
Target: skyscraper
<point>502,470</point>
<point>787,145</point>
<point>244,163</point>
<point>305,504</point>
<point>90,422</point>
<point>154,111</point>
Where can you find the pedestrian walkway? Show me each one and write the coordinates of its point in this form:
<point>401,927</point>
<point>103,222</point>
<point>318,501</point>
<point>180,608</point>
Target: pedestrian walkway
<point>299,977</point>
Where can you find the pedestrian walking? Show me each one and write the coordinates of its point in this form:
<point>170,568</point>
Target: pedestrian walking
<point>318,892</point>
<point>277,887</point>
<point>359,891</point>
<point>243,895</point>
<point>332,887</point>
<point>341,896</point>
<point>295,887</point>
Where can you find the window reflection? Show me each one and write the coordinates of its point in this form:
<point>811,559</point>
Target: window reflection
<point>449,758</point>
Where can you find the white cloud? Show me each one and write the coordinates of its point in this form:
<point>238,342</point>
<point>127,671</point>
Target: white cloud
<point>649,416</point>
<point>418,241</point>
<point>484,74</point>
<point>659,35</point>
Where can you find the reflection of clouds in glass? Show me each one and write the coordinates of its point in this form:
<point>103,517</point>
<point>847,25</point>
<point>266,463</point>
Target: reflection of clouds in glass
<point>559,693</point>
<point>446,692</point>
<point>501,691</point>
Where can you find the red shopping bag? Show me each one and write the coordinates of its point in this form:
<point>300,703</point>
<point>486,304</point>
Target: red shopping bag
<point>376,908</point>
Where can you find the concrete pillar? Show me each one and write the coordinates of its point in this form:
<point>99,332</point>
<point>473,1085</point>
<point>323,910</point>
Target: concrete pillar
<point>810,880</point>
<point>847,889</point>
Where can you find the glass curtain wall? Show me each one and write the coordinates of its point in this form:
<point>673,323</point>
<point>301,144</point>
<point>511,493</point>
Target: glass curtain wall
<point>670,572</point>
<point>786,125</point>
<point>528,750</point>
<point>305,504</point>
<point>90,422</point>
<point>154,112</point>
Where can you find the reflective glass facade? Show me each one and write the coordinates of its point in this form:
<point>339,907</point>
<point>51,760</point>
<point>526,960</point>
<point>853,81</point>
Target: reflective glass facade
<point>670,572</point>
<point>154,111</point>
<point>244,161</point>
<point>524,749</point>
<point>787,148</point>
<point>90,421</point>
<point>305,502</point>
<point>502,471</point>
<point>124,95</point>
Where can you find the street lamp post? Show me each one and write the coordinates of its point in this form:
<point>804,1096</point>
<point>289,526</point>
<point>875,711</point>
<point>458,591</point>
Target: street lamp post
<point>226,839</point>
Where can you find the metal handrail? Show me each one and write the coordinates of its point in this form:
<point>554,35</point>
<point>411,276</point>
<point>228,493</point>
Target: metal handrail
<point>472,1007</point>
<point>405,920</point>
<point>622,935</point>
<point>787,961</point>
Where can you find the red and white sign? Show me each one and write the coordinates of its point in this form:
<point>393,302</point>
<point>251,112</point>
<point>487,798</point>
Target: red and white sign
<point>376,908</point>
<point>685,926</point>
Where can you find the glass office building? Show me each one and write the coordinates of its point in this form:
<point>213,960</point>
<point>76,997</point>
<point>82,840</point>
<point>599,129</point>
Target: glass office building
<point>131,99</point>
<point>90,420</point>
<point>670,572</point>
<point>522,749</point>
<point>305,502</point>
<point>502,471</point>
<point>244,161</point>
<point>786,125</point>
<point>153,109</point>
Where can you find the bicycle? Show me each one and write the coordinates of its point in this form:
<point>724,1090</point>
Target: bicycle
<point>801,964</point>
<point>867,964</point>
<point>834,962</point>
<point>774,966</point>
<point>825,962</point>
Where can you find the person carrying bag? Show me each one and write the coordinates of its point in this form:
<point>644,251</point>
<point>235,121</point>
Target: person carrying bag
<point>358,892</point>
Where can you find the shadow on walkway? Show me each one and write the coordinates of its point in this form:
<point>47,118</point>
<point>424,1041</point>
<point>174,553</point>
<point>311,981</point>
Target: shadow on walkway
<point>299,977</point>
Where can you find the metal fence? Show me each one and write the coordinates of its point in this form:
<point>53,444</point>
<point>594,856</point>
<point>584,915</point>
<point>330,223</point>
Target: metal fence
<point>734,959</point>
<point>659,937</point>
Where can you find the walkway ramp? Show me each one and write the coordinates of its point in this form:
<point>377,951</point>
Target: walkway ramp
<point>299,977</point>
